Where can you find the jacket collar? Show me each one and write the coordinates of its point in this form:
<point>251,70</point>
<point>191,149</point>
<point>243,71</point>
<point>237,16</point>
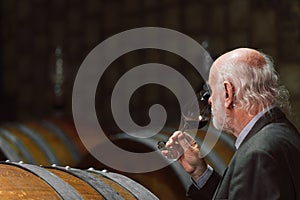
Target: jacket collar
<point>272,115</point>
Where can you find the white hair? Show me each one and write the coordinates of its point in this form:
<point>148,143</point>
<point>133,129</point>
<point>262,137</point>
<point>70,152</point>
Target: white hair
<point>255,87</point>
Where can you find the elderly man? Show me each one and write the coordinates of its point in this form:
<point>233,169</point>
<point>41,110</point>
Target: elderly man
<point>266,165</point>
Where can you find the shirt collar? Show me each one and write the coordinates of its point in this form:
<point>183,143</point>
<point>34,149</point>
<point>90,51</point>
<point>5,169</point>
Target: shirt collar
<point>249,126</point>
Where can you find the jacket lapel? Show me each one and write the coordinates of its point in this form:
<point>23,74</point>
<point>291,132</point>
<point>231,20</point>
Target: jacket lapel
<point>220,183</point>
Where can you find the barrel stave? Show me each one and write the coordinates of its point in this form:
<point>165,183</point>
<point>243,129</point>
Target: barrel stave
<point>84,189</point>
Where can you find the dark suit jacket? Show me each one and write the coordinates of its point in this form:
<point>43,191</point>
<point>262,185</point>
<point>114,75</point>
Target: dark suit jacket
<point>266,165</point>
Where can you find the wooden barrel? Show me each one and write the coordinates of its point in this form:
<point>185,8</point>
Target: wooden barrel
<point>170,182</point>
<point>45,142</point>
<point>26,181</point>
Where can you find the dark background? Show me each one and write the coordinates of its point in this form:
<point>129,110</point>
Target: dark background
<point>31,30</point>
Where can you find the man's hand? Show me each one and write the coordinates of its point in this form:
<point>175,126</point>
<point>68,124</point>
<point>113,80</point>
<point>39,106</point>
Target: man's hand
<point>183,147</point>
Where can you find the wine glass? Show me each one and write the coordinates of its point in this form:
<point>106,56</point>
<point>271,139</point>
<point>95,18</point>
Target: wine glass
<point>192,120</point>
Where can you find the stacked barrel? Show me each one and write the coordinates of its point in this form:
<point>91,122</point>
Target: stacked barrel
<point>49,141</point>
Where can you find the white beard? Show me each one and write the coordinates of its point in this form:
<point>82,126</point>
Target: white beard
<point>217,113</point>
<point>220,119</point>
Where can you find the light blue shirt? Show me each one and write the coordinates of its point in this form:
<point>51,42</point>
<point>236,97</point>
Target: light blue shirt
<point>201,181</point>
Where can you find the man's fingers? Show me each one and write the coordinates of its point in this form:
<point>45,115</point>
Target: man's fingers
<point>173,140</point>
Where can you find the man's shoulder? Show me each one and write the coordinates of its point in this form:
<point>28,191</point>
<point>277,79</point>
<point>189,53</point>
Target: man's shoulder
<point>276,133</point>
<point>272,139</point>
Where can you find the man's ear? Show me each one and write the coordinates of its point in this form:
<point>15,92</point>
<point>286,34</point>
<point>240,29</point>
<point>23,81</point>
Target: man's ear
<point>229,94</point>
